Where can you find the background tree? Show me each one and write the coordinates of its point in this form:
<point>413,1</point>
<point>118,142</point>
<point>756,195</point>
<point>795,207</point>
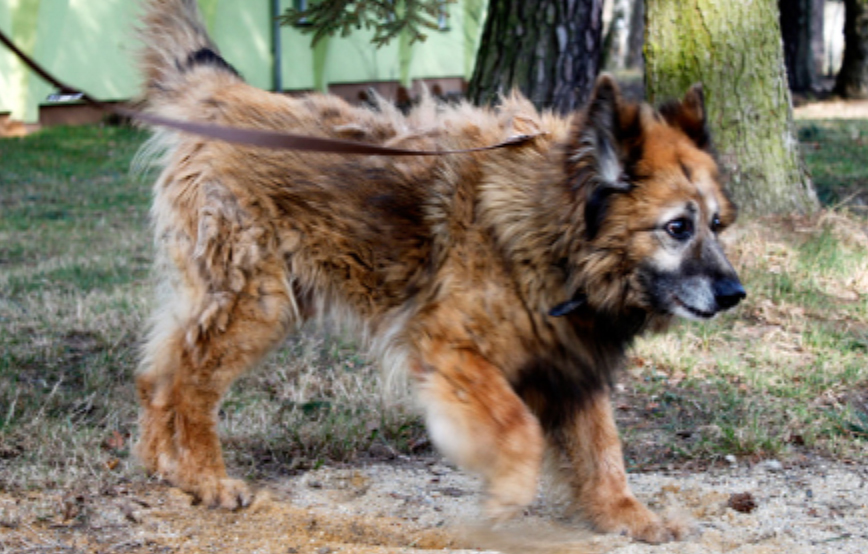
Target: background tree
<point>387,18</point>
<point>852,80</point>
<point>614,48</point>
<point>549,49</point>
<point>734,50</point>
<point>624,36</point>
<point>798,29</point>
<point>636,38</point>
<point>818,38</point>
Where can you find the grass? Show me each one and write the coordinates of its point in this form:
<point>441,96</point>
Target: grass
<point>785,373</point>
<point>74,262</point>
<point>835,152</point>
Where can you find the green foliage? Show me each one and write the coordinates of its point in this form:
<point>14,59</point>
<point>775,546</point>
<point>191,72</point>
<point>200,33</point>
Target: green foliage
<point>388,18</point>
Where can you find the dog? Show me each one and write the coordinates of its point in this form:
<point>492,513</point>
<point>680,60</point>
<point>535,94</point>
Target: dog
<point>507,284</point>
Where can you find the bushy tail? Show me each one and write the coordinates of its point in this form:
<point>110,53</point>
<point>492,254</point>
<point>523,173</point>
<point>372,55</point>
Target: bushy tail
<point>175,41</point>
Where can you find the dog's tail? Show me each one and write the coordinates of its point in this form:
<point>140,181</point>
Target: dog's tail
<point>175,44</point>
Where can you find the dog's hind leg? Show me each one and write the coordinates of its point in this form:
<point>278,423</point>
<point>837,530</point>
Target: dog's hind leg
<point>478,422</point>
<point>590,460</point>
<point>162,352</point>
<point>188,367</point>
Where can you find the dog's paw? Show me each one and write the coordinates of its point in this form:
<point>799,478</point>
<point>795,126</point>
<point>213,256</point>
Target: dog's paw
<point>635,520</point>
<point>654,532</point>
<point>497,511</point>
<point>229,494</point>
<point>673,526</point>
<point>507,497</point>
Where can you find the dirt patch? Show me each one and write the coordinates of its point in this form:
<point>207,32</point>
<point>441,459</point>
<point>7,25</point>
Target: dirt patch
<point>418,506</point>
<point>834,108</point>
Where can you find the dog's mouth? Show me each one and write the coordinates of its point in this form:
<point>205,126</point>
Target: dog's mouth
<point>692,310</point>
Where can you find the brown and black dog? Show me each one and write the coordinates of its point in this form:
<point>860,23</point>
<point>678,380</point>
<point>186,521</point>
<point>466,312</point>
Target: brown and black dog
<point>506,283</point>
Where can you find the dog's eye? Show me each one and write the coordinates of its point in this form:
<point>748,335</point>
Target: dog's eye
<point>680,229</point>
<point>716,224</point>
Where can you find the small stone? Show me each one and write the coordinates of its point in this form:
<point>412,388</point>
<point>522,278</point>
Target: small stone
<point>129,512</point>
<point>710,432</point>
<point>742,502</point>
<point>324,550</point>
<point>382,451</point>
<point>454,492</point>
<point>772,465</point>
<point>730,459</point>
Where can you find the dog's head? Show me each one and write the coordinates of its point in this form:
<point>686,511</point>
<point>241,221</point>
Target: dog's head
<point>647,192</point>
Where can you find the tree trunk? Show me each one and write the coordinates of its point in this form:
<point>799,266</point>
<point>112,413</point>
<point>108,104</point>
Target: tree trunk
<point>549,49</point>
<point>852,81</point>
<point>637,35</point>
<point>797,28</point>
<point>734,50</point>
<point>614,49</point>
<point>818,44</point>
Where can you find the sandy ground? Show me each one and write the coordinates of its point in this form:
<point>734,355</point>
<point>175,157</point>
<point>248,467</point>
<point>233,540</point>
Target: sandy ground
<point>833,109</point>
<point>416,506</point>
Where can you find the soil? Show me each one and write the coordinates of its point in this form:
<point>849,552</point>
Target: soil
<point>833,108</point>
<point>421,505</point>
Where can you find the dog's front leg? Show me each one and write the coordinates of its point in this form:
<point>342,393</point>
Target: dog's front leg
<point>478,422</point>
<point>588,443</point>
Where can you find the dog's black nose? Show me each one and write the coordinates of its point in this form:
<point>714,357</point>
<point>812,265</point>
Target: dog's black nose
<point>728,293</point>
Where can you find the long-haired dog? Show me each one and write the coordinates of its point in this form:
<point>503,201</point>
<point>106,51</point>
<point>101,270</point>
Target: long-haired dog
<point>507,283</point>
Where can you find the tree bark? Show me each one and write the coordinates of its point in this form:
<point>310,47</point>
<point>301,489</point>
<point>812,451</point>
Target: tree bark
<point>549,49</point>
<point>734,50</point>
<point>852,80</point>
<point>797,28</point>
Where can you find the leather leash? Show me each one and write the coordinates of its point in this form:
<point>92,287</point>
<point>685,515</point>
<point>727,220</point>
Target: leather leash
<point>252,137</point>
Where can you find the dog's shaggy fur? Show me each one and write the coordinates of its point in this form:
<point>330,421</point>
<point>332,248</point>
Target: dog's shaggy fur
<point>506,283</point>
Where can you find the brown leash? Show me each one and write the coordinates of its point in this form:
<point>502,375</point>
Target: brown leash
<point>251,137</point>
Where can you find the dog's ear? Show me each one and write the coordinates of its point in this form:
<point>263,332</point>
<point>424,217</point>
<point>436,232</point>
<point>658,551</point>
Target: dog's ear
<point>599,151</point>
<point>689,115</point>
<point>601,131</point>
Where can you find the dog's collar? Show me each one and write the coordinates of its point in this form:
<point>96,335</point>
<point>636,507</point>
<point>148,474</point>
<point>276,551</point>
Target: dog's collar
<point>571,305</point>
